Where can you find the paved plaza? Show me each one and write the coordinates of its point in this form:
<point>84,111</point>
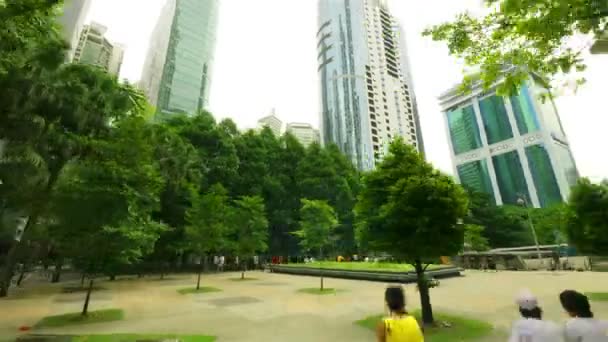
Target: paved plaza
<point>270,308</point>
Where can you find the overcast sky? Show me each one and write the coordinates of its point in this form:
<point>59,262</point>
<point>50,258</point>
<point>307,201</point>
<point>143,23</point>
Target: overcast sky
<point>266,58</point>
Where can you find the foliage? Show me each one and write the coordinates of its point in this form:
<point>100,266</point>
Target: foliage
<point>460,328</point>
<point>207,221</point>
<point>587,226</point>
<point>318,291</point>
<point>318,219</point>
<point>517,37</point>
<point>249,226</point>
<point>597,296</point>
<point>99,316</point>
<point>361,266</point>
<point>411,211</point>
<point>474,239</point>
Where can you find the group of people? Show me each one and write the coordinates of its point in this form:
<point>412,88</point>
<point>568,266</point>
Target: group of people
<point>400,326</point>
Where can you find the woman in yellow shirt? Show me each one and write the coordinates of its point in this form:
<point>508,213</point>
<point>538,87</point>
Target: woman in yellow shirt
<point>399,326</point>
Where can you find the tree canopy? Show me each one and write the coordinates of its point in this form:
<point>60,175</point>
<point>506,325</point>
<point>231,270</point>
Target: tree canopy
<point>587,226</point>
<point>517,37</point>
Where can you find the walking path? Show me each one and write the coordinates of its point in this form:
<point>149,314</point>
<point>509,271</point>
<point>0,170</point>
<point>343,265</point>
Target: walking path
<point>270,309</point>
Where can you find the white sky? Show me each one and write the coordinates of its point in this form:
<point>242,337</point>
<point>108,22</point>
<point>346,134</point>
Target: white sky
<point>266,58</point>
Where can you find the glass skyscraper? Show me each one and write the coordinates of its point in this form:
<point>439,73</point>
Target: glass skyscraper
<point>367,96</point>
<point>510,147</point>
<point>71,18</point>
<point>177,72</point>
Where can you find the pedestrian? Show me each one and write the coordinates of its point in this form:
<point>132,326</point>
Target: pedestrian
<point>531,327</point>
<point>399,326</point>
<point>582,326</point>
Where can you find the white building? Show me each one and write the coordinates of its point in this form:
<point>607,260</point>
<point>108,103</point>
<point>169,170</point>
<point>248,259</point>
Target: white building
<point>509,147</point>
<point>367,96</point>
<point>73,14</point>
<point>93,48</point>
<point>273,122</point>
<point>304,132</point>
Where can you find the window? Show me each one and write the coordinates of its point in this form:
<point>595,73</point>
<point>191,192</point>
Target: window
<point>543,175</point>
<point>475,176</point>
<point>510,177</point>
<point>523,110</point>
<point>464,131</point>
<point>495,119</point>
<point>566,163</point>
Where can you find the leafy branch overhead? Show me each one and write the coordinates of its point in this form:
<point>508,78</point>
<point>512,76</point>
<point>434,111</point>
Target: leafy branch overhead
<point>517,37</point>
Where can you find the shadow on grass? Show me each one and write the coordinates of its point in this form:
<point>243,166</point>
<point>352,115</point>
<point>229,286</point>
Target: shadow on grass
<point>202,289</point>
<point>144,337</point>
<point>597,296</point>
<point>78,288</point>
<point>98,316</point>
<point>447,328</point>
<point>317,291</point>
<point>243,279</point>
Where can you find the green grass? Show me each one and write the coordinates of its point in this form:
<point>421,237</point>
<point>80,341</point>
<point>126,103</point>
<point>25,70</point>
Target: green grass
<point>76,318</point>
<point>597,296</point>
<point>317,291</point>
<point>461,329</point>
<point>134,338</point>
<point>243,279</point>
<point>362,266</point>
<point>202,289</point>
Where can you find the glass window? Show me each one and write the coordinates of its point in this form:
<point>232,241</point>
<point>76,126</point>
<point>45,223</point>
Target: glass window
<point>464,130</point>
<point>495,119</point>
<point>543,175</point>
<point>566,163</point>
<point>523,110</point>
<point>475,176</point>
<point>510,177</point>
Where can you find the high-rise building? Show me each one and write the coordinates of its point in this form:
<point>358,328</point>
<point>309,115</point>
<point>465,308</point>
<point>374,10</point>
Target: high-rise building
<point>93,48</point>
<point>73,14</point>
<point>177,72</point>
<point>367,96</point>
<point>513,148</point>
<point>304,132</point>
<point>273,122</point>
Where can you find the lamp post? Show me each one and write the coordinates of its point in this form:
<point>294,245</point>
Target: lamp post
<point>524,203</point>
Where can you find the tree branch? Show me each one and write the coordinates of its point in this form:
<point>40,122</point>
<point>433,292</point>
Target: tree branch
<point>425,267</point>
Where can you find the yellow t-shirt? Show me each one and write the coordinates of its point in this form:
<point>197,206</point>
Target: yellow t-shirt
<point>402,329</point>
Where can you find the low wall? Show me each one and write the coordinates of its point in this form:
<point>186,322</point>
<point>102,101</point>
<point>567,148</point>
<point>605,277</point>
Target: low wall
<point>383,276</point>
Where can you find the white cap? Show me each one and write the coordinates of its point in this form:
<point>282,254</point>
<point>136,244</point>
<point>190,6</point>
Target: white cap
<point>526,300</point>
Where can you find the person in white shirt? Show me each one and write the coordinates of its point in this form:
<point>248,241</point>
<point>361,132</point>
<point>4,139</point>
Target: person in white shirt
<point>531,327</point>
<point>582,326</point>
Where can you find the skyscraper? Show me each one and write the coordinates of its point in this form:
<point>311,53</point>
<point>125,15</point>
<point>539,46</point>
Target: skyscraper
<point>93,48</point>
<point>367,96</point>
<point>72,19</point>
<point>273,122</point>
<point>304,132</point>
<point>177,72</point>
<point>510,147</point>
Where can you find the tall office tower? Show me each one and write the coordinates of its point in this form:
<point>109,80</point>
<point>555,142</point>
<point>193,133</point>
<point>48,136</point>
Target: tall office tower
<point>273,122</point>
<point>93,48</point>
<point>513,148</point>
<point>177,73</point>
<point>304,132</point>
<point>73,14</point>
<point>367,96</point>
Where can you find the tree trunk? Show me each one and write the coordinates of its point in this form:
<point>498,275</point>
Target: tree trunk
<point>423,289</point>
<point>321,267</point>
<point>243,269</point>
<point>198,280</point>
<point>22,274</point>
<point>57,273</point>
<point>85,309</point>
<point>112,277</point>
<point>9,268</point>
<point>82,280</point>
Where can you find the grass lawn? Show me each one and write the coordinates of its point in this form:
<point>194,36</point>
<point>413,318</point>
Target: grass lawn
<point>76,318</point>
<point>362,266</point>
<point>243,279</point>
<point>597,296</point>
<point>317,291</point>
<point>461,329</point>
<point>202,289</point>
<point>134,338</point>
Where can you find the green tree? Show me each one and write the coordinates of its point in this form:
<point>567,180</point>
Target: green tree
<point>517,37</point>
<point>317,223</point>
<point>412,211</point>
<point>474,239</point>
<point>249,229</point>
<point>207,224</point>
<point>587,227</point>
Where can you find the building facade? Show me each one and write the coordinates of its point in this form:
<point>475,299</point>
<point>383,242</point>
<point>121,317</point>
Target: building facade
<point>94,49</point>
<point>72,17</point>
<point>510,147</point>
<point>304,132</point>
<point>273,122</point>
<point>367,96</point>
<point>177,72</point>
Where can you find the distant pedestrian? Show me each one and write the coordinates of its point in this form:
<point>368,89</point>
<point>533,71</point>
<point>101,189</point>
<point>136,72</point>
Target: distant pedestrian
<point>399,326</point>
<point>582,326</point>
<point>531,327</point>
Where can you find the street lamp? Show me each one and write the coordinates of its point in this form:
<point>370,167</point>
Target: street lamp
<point>524,203</point>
